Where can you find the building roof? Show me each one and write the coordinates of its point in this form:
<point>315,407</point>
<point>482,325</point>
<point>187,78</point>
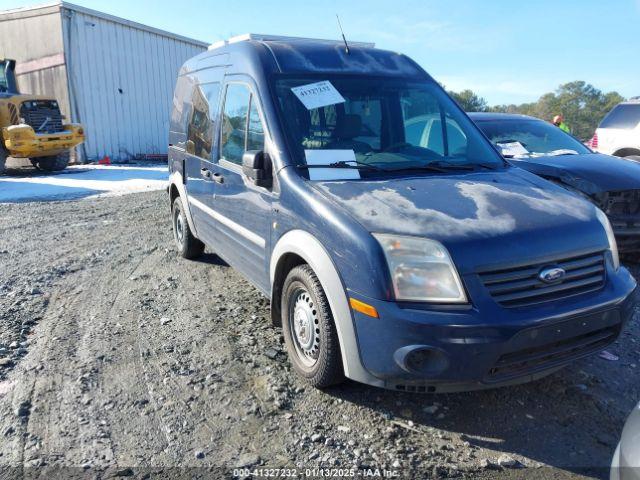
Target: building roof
<point>35,10</point>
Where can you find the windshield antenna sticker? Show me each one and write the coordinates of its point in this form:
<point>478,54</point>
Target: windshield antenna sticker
<point>319,94</point>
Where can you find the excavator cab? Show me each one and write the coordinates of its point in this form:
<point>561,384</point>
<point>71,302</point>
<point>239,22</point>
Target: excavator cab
<point>32,126</point>
<point>8,77</point>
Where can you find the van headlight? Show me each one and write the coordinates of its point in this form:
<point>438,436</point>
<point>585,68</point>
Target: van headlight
<point>421,269</point>
<point>613,245</point>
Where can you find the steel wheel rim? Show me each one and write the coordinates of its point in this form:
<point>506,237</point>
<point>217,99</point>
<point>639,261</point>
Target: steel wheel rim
<point>304,325</point>
<point>179,227</point>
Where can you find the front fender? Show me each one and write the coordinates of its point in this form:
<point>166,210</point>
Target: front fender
<point>310,249</point>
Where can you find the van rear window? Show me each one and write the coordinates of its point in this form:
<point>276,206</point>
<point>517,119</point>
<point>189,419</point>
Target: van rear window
<point>623,116</point>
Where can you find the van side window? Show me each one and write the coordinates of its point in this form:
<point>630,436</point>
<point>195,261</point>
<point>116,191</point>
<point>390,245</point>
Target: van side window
<point>202,120</point>
<point>234,122</point>
<point>255,133</point>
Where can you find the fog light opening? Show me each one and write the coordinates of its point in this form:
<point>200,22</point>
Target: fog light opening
<point>427,361</point>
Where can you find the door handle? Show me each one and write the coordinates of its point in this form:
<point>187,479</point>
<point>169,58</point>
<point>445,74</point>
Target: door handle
<point>218,178</point>
<point>205,172</point>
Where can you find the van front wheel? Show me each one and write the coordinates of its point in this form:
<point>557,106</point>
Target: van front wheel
<point>309,331</point>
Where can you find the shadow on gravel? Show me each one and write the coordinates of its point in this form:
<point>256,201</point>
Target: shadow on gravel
<point>211,259</point>
<point>555,420</point>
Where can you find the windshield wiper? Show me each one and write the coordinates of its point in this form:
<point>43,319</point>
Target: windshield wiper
<point>425,168</point>
<point>352,164</point>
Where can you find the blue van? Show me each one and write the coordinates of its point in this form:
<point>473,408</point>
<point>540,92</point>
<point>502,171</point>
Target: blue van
<point>397,247</point>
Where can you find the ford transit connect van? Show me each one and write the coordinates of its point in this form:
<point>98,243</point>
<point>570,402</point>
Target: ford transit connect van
<point>417,262</point>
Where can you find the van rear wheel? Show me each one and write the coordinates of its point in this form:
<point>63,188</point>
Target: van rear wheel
<point>309,330</point>
<point>53,163</point>
<point>188,245</point>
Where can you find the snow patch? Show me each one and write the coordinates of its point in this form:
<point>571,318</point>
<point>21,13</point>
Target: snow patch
<point>83,181</point>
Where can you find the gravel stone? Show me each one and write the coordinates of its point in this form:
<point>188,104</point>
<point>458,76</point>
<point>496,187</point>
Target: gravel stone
<point>216,374</point>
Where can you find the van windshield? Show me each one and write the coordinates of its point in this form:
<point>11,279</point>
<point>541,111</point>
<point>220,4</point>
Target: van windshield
<point>388,123</point>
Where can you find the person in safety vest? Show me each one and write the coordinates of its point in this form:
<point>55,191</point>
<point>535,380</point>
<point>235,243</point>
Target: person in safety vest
<point>558,121</point>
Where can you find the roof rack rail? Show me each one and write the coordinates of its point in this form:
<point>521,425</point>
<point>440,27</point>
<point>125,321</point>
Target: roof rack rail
<point>281,38</point>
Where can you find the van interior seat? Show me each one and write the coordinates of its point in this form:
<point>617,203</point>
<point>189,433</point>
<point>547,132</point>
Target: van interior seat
<point>348,126</point>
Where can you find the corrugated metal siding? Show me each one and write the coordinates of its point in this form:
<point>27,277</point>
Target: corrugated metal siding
<point>29,37</point>
<point>122,79</point>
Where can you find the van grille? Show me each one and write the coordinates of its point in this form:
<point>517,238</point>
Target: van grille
<point>42,115</point>
<point>521,286</point>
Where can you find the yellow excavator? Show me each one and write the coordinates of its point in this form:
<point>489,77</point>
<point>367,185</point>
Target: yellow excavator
<point>32,126</point>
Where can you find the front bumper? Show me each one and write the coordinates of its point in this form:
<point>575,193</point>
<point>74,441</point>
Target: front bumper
<point>444,349</point>
<point>22,141</point>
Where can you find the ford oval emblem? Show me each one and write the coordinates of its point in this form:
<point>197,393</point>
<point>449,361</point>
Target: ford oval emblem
<point>551,274</point>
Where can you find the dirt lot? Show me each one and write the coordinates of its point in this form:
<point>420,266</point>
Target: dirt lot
<point>120,359</point>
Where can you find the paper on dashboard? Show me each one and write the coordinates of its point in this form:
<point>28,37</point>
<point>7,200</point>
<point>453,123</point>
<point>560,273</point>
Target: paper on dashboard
<point>318,94</point>
<point>325,157</point>
<point>512,148</point>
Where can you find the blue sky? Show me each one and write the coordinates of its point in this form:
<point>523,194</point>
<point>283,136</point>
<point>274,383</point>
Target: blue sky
<point>507,51</point>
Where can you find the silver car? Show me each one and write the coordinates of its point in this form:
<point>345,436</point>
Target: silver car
<point>626,459</point>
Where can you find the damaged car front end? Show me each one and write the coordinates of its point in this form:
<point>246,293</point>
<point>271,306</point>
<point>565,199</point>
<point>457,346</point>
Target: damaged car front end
<point>611,183</point>
<point>623,210</point>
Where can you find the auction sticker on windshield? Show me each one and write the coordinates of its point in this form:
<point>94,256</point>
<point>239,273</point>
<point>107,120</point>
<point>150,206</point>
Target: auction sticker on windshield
<point>512,148</point>
<point>319,94</point>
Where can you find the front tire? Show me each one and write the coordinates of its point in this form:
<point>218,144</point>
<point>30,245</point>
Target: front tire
<point>309,330</point>
<point>53,163</point>
<point>635,158</point>
<point>188,245</point>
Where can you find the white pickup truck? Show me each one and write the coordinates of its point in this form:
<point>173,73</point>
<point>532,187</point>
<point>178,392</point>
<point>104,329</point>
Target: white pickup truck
<point>619,132</point>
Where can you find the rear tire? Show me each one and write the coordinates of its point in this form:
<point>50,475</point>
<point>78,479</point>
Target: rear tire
<point>54,163</point>
<point>309,330</point>
<point>635,158</point>
<point>188,245</point>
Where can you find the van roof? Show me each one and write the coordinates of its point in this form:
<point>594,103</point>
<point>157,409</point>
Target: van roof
<point>281,38</point>
<point>306,55</point>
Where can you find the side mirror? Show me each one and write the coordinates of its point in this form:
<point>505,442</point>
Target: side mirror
<point>256,165</point>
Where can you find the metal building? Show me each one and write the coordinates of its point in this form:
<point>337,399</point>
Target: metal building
<point>113,75</point>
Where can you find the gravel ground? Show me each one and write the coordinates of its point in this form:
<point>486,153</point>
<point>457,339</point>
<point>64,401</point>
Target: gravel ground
<point>117,358</point>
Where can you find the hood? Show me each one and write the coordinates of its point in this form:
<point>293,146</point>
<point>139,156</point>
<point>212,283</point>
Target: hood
<point>485,218</point>
<point>590,173</point>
